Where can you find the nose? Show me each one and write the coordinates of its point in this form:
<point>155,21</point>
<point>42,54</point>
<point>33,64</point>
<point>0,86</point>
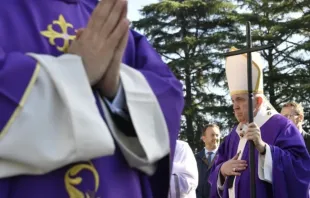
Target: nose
<point>235,107</point>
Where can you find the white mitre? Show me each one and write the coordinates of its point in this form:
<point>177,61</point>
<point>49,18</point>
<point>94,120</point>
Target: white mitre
<point>237,76</point>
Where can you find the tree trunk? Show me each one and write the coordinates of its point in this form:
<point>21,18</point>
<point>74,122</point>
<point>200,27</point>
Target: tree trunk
<point>272,94</point>
<point>188,103</point>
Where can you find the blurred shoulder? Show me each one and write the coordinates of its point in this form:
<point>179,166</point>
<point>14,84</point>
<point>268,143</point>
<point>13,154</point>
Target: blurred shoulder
<point>182,143</point>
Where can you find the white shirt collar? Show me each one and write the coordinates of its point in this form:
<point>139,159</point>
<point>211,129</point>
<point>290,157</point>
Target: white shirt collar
<point>262,116</point>
<point>213,151</point>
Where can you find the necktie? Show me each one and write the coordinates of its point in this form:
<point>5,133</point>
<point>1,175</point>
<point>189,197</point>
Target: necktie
<point>209,157</point>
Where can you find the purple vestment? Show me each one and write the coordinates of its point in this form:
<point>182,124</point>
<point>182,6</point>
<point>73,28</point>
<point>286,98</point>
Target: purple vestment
<point>24,27</point>
<point>291,163</point>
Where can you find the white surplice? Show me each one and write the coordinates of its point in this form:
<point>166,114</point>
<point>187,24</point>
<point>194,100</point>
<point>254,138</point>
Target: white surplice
<point>184,179</point>
<point>58,123</point>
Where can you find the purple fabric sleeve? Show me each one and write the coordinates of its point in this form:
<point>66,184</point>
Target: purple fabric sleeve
<point>221,158</point>
<point>168,91</point>
<point>4,188</point>
<point>291,165</point>
<point>16,71</point>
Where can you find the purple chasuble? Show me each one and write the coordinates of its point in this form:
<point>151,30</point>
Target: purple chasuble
<point>48,27</point>
<point>291,163</point>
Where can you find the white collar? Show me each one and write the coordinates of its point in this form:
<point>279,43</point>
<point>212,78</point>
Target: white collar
<point>213,151</point>
<point>262,116</point>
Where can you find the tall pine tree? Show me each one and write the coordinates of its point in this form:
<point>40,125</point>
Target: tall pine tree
<point>190,35</point>
<point>275,22</point>
<point>302,52</point>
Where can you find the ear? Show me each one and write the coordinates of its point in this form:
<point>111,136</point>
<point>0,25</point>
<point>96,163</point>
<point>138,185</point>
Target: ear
<point>300,118</point>
<point>259,101</point>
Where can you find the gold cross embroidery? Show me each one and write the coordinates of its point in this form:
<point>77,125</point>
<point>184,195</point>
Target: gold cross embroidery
<point>52,34</point>
<point>73,179</point>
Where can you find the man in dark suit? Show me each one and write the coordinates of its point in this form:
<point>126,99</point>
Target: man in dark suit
<point>295,112</point>
<point>205,158</point>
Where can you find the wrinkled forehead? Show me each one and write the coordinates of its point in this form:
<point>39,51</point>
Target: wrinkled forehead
<point>237,97</point>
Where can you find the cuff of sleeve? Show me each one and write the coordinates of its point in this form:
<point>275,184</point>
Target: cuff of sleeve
<point>119,100</point>
<point>220,186</point>
<point>146,114</point>
<point>131,147</point>
<point>265,166</point>
<point>73,113</point>
<point>119,103</point>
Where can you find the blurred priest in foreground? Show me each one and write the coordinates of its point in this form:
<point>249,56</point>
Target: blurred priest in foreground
<point>93,116</point>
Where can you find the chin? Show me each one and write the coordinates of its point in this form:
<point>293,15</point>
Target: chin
<point>238,118</point>
<point>241,119</point>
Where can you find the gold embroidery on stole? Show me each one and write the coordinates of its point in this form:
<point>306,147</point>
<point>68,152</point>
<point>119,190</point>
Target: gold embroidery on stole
<point>72,179</point>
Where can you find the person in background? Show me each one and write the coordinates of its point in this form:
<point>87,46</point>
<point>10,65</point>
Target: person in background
<point>184,178</point>
<point>205,158</point>
<point>295,112</point>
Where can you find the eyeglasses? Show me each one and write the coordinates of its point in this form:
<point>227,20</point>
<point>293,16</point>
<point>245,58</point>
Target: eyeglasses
<point>290,115</point>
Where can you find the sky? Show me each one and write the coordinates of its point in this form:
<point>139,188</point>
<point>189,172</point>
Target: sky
<point>135,5</point>
<point>133,14</point>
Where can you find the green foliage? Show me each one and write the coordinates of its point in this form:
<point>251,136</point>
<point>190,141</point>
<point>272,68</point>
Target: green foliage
<point>286,74</point>
<point>191,35</point>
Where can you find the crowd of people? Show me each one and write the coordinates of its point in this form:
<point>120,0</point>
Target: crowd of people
<point>197,179</point>
<point>282,146</point>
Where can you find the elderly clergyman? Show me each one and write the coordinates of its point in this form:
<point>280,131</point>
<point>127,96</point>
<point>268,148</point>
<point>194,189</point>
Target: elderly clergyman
<point>282,162</point>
